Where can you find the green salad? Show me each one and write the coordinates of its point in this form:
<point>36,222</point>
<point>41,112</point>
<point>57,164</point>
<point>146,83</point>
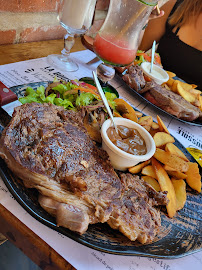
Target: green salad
<point>71,95</point>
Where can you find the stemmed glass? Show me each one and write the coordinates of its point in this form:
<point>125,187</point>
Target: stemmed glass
<point>76,17</point>
<point>117,41</point>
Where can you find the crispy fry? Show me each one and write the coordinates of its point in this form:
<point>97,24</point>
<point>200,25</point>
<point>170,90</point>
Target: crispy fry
<point>168,168</point>
<point>173,149</point>
<point>131,116</point>
<point>174,86</point>
<point>139,114</point>
<point>195,92</point>
<point>150,180</point>
<point>178,164</point>
<point>185,85</point>
<point>167,87</point>
<point>176,175</point>
<point>162,138</point>
<point>200,101</point>
<point>149,171</point>
<point>162,126</point>
<point>180,192</point>
<point>185,94</point>
<point>193,176</point>
<point>171,74</point>
<point>166,185</point>
<point>124,108</point>
<point>139,167</point>
<point>154,125</point>
<point>116,114</point>
<point>145,121</point>
<point>170,82</point>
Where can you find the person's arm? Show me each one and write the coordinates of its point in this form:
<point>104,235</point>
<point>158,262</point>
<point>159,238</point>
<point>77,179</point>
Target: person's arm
<point>156,27</point>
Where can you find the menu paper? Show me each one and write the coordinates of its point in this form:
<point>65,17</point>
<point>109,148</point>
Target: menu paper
<point>82,257</point>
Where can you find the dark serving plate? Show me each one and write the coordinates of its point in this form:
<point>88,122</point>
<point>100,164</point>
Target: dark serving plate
<point>178,237</point>
<point>195,122</point>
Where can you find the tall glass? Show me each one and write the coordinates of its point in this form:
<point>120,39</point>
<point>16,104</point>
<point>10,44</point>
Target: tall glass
<point>76,17</point>
<point>118,39</point>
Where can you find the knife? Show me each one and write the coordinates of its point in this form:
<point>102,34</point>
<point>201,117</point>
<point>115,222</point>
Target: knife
<point>8,99</point>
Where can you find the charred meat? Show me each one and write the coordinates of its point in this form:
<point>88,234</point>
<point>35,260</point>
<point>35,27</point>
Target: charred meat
<point>50,150</point>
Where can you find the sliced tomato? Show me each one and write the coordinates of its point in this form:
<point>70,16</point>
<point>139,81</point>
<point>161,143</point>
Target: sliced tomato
<point>91,87</point>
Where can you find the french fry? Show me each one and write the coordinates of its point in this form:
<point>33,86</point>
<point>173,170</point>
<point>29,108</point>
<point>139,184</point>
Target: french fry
<point>168,168</point>
<point>162,138</point>
<point>124,108</point>
<point>154,125</point>
<point>174,86</point>
<point>185,94</point>
<point>150,180</point>
<point>185,85</point>
<point>173,149</point>
<point>116,114</point>
<point>180,192</point>
<point>139,167</point>
<point>131,116</point>
<point>145,121</point>
<point>176,175</point>
<point>166,185</point>
<point>194,85</point>
<point>139,114</point>
<point>167,87</point>
<point>178,164</point>
<point>200,101</point>
<point>195,92</point>
<point>193,176</point>
<point>149,171</point>
<point>162,126</point>
<point>170,82</point>
<point>147,127</point>
<point>171,74</point>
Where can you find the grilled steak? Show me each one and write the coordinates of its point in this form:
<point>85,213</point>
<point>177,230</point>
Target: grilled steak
<point>172,103</point>
<point>160,96</point>
<point>132,212</point>
<point>50,150</point>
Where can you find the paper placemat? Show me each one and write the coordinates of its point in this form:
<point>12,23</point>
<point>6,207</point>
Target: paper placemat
<point>82,257</point>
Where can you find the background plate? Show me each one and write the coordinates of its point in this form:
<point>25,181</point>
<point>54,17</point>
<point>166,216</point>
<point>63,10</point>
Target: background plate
<point>178,237</point>
<point>195,122</point>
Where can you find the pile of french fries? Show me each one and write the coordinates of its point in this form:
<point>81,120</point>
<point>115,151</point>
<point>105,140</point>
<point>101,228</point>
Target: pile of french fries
<point>185,90</point>
<point>169,169</point>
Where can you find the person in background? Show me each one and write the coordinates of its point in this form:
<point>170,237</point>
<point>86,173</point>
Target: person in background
<point>179,36</point>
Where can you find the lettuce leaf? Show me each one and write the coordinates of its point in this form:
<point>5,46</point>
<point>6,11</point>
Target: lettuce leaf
<point>84,99</point>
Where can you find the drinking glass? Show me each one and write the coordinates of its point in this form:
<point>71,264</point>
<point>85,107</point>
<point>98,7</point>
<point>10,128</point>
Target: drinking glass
<point>118,39</point>
<point>76,17</point>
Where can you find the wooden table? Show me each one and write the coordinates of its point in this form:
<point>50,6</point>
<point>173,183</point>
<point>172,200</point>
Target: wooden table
<point>19,234</point>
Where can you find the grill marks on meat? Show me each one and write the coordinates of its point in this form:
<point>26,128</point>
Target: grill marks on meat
<point>160,96</point>
<point>50,150</point>
<point>172,103</point>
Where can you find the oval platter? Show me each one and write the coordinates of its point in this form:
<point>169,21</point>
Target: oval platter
<point>178,237</point>
<point>194,122</point>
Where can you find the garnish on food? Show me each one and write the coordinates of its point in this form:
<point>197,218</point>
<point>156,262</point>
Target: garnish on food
<point>71,95</point>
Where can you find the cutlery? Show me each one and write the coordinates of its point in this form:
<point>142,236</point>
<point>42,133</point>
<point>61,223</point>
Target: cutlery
<point>8,99</point>
<point>93,61</point>
<point>104,99</point>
